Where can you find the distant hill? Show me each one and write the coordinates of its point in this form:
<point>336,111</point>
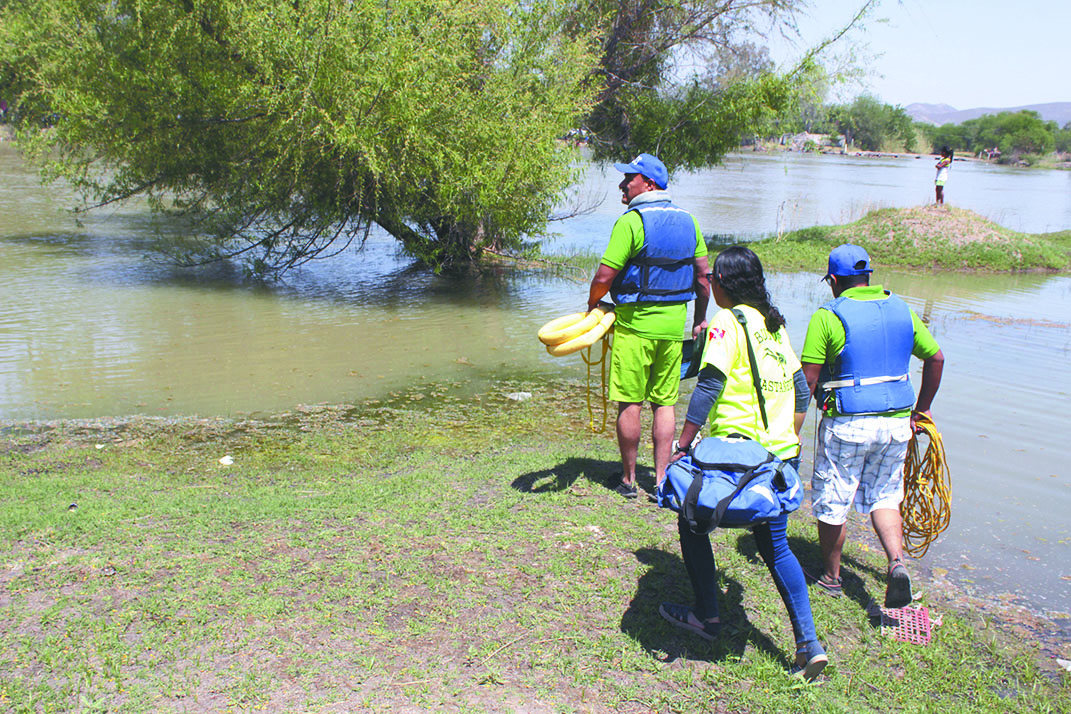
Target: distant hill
<point>1059,112</point>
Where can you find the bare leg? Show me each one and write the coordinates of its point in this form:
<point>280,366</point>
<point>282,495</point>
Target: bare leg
<point>889,527</point>
<point>940,195</point>
<point>831,541</point>
<point>628,439</point>
<point>665,425</point>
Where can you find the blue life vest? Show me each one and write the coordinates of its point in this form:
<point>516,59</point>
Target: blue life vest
<point>870,375</point>
<point>663,270</point>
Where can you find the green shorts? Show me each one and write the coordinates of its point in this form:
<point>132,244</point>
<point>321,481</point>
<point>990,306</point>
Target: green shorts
<point>643,369</point>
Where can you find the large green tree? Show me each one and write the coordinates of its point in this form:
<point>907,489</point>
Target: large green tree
<point>282,130</point>
<point>872,125</point>
<point>1015,133</point>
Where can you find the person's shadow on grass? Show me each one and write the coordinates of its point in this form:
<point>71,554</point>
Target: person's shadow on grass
<point>809,554</point>
<point>565,474</point>
<point>667,581</point>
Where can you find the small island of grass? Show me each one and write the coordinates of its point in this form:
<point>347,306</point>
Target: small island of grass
<point>931,237</point>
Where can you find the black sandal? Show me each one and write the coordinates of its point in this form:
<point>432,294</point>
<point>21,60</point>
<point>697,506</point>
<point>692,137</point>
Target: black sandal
<point>678,615</point>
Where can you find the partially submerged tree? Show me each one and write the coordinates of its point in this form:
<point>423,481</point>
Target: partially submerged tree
<point>282,130</point>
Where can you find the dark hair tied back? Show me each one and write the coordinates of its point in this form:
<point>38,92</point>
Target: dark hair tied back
<point>739,272</point>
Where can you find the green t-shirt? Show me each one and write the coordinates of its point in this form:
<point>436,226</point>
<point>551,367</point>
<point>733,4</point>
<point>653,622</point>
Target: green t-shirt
<point>653,320</point>
<point>825,336</point>
<point>737,409</point>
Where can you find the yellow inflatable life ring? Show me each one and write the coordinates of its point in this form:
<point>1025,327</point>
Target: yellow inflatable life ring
<point>566,328</point>
<point>587,339</point>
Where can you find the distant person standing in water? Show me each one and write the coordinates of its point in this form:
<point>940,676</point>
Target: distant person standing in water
<point>942,174</point>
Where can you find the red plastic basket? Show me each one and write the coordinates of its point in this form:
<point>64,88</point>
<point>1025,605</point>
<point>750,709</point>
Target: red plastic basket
<point>908,624</point>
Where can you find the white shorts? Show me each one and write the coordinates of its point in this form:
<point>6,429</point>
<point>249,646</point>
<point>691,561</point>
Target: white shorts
<point>860,464</point>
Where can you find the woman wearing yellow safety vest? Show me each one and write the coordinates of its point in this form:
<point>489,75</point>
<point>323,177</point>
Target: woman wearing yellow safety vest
<point>726,392</point>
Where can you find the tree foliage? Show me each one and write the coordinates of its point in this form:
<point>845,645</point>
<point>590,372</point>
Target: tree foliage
<point>1062,139</point>
<point>647,99</point>
<point>1014,134</point>
<point>809,112</point>
<point>869,124</point>
<point>284,129</point>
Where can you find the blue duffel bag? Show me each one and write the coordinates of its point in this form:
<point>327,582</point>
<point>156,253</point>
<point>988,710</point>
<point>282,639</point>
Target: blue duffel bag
<point>729,482</point>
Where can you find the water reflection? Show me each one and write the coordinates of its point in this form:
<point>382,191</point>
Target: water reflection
<point>110,336</point>
<point>759,194</point>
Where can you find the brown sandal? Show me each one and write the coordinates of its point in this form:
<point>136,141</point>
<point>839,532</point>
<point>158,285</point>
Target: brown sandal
<point>830,586</point>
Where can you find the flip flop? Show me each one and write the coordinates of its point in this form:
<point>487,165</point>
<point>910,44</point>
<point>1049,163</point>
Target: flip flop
<point>832,587</point>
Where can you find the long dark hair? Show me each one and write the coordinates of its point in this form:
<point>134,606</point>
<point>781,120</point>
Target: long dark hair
<point>739,272</point>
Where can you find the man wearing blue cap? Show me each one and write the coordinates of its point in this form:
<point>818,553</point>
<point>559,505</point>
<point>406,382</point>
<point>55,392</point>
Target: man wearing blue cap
<point>655,263</point>
<point>857,353</point>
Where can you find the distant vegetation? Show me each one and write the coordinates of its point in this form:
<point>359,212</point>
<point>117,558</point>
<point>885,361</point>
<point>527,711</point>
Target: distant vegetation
<point>1010,137</point>
<point>867,124</point>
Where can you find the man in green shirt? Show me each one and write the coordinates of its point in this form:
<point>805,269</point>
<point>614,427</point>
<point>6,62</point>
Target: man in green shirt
<point>857,353</point>
<point>655,263</point>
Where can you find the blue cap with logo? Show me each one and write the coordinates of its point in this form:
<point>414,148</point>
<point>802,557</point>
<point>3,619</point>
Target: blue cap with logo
<point>648,166</point>
<point>848,259</point>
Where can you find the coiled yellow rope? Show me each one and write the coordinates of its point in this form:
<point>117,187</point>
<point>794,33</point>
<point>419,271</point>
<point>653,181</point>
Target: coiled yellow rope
<point>586,355</point>
<point>927,506</point>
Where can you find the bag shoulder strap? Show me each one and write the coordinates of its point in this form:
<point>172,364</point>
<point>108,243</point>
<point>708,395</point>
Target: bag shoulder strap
<point>732,466</point>
<point>748,477</point>
<point>690,505</point>
<point>742,319</point>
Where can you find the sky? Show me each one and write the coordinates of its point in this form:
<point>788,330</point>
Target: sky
<point>965,53</point>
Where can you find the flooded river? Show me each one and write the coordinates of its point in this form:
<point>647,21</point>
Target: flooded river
<point>92,325</point>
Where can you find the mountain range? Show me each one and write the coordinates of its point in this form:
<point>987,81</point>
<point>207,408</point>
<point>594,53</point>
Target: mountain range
<point>1059,112</point>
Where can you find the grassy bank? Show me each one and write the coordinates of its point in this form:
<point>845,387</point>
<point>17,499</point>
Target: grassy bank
<point>400,557</point>
<point>925,237</point>
<point>928,237</point>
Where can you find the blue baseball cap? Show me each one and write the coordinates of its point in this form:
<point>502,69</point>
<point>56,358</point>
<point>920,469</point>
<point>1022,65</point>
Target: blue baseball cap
<point>848,259</point>
<point>648,166</point>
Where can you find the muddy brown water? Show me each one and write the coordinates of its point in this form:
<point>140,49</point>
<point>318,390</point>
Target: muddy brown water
<point>93,325</point>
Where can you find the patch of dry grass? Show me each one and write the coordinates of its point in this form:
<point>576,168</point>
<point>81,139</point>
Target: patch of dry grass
<point>926,225</point>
